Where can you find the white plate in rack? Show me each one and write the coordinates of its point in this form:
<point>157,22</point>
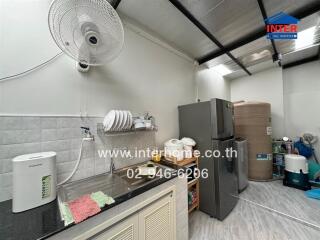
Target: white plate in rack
<point>120,121</point>
<point>124,120</point>
<point>130,120</point>
<point>125,126</point>
<point>110,120</point>
<point>105,121</point>
<point>115,122</point>
<point>116,125</point>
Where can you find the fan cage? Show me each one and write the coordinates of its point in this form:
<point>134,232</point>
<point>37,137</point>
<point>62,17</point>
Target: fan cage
<point>97,12</point>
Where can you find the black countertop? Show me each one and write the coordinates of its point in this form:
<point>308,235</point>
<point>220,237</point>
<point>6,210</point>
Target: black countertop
<point>44,221</point>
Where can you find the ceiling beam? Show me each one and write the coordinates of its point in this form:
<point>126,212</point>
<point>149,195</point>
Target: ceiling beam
<point>301,61</point>
<point>300,13</point>
<point>203,29</point>
<point>265,16</point>
<point>115,3</point>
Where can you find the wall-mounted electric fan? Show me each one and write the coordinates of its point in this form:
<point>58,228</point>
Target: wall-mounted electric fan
<point>89,31</point>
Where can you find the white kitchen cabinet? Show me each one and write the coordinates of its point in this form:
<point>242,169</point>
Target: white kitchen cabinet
<point>127,229</point>
<point>154,222</point>
<point>157,221</point>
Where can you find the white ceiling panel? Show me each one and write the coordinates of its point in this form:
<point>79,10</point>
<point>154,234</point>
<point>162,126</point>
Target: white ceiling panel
<point>162,18</point>
<point>288,6</point>
<point>254,69</point>
<point>299,55</point>
<point>227,20</point>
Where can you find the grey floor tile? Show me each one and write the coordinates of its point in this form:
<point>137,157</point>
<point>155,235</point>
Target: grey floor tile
<point>284,199</point>
<point>248,222</point>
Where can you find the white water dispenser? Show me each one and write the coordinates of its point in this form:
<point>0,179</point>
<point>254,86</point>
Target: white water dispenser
<point>34,180</point>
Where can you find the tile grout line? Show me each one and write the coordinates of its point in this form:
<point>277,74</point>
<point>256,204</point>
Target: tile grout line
<point>308,224</point>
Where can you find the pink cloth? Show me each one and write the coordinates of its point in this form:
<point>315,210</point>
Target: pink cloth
<point>83,207</point>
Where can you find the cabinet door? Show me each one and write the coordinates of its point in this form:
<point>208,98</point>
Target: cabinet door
<point>127,229</point>
<point>157,221</point>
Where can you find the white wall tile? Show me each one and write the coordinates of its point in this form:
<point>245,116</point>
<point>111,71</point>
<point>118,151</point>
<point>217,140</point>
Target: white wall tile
<point>30,122</point>
<point>20,136</point>
<point>10,123</point>
<point>63,156</point>
<point>5,165</point>
<point>23,135</point>
<point>80,174</point>
<point>75,143</point>
<point>49,135</point>
<point>5,193</point>
<point>59,145</point>
<point>68,122</point>
<point>65,167</point>
<point>100,166</point>
<point>68,133</point>
<point>13,150</point>
<point>74,153</point>
<point>6,180</point>
<point>48,122</point>
<point>90,172</point>
<point>61,177</point>
<point>1,165</point>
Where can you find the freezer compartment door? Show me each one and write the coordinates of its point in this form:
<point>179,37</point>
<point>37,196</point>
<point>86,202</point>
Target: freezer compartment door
<point>222,119</point>
<point>226,184</point>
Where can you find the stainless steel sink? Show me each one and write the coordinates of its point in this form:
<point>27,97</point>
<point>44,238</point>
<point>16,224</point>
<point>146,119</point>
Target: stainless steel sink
<point>134,180</point>
<point>111,185</point>
<point>114,185</point>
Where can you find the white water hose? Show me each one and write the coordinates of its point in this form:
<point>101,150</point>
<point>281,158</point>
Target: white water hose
<point>78,161</point>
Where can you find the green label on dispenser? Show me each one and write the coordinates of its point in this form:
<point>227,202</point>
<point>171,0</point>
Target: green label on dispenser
<point>264,157</point>
<point>46,186</point>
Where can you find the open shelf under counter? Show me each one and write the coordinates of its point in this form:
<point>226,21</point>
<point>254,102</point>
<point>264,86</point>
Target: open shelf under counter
<point>192,184</point>
<point>193,207</point>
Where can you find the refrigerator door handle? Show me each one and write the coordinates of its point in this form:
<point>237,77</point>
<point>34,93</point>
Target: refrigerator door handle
<point>230,164</point>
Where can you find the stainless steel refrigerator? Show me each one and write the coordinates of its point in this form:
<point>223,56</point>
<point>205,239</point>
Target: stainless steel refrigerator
<point>211,125</point>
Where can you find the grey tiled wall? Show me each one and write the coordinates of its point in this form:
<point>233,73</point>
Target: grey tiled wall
<point>22,135</point>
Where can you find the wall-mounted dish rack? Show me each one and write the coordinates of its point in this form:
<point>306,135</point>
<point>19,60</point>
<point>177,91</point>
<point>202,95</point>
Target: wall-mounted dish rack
<point>102,132</point>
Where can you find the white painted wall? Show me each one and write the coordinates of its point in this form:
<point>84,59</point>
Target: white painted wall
<point>25,39</point>
<point>294,94</point>
<point>145,77</point>
<point>301,100</point>
<point>211,85</point>
<point>265,86</point>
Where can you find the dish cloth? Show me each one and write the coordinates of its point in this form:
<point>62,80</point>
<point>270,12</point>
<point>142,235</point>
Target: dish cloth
<point>101,199</point>
<point>109,200</point>
<point>83,207</point>
<point>66,214</point>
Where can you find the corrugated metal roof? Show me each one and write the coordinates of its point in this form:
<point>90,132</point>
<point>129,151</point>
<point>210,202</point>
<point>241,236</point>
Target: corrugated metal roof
<point>162,18</point>
<point>287,6</point>
<point>306,23</point>
<point>227,20</point>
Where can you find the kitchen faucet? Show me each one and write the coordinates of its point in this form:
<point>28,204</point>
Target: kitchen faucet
<point>112,166</point>
<point>88,134</point>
